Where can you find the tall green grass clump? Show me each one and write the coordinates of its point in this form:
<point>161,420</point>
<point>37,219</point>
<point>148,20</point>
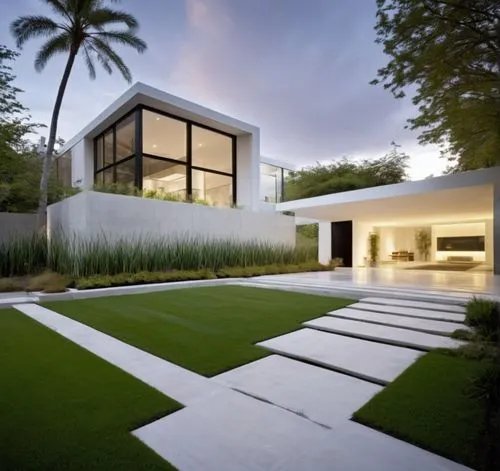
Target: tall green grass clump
<point>79,257</point>
<point>23,255</point>
<point>100,256</point>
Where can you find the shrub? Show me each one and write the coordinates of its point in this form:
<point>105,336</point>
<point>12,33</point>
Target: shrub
<point>125,279</point>
<point>10,285</point>
<point>49,282</point>
<point>484,316</point>
<point>463,334</point>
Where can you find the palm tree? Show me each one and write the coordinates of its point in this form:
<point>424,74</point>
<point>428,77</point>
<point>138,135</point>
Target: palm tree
<point>86,26</point>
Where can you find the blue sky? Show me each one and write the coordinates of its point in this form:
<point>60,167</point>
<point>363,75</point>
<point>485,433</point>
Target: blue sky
<point>298,69</point>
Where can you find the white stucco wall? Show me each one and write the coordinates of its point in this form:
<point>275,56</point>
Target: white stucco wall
<point>82,164</point>
<point>90,214</point>
<point>360,233</point>
<point>395,239</point>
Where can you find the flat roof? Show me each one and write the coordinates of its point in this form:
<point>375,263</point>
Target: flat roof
<point>461,196</point>
<point>142,94</point>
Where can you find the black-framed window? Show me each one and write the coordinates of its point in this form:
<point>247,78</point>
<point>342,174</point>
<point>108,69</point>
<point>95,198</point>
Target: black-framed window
<point>159,152</point>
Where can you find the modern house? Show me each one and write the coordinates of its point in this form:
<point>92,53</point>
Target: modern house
<point>154,141</point>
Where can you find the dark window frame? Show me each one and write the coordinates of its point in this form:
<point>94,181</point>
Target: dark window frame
<point>139,154</point>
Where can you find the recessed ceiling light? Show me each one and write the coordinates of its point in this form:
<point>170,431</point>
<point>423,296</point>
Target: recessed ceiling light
<point>154,146</point>
<point>158,119</point>
<point>200,145</point>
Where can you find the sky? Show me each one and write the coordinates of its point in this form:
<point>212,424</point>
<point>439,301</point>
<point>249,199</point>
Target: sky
<point>298,69</point>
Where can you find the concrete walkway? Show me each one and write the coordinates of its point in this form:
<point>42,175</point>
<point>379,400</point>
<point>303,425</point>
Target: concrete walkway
<point>273,414</point>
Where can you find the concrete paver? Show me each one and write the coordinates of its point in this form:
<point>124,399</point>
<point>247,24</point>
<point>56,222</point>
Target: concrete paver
<point>366,360</point>
<point>410,312</point>
<point>287,383</point>
<point>382,333</point>
<point>415,304</point>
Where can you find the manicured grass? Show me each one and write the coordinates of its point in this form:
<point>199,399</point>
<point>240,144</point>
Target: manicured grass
<point>207,330</point>
<point>63,408</point>
<point>428,406</point>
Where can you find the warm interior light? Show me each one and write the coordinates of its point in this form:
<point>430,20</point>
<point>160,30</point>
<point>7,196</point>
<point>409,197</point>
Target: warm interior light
<point>172,177</point>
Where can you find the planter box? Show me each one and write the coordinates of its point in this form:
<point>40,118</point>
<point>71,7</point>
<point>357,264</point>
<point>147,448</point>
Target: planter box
<point>117,217</point>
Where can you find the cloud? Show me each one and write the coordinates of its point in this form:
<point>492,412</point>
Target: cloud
<point>299,70</point>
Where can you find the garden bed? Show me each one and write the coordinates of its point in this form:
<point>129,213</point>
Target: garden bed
<point>54,283</point>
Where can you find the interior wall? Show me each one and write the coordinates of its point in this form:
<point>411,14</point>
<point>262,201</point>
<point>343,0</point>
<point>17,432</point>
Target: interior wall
<point>397,239</point>
<point>360,233</point>
<point>457,230</point>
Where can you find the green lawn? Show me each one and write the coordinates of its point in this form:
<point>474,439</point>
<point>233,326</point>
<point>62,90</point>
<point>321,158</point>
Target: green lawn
<point>63,408</point>
<point>428,406</point>
<point>207,330</point>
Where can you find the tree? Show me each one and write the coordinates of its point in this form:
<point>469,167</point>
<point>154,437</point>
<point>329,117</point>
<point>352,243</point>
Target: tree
<point>448,51</point>
<point>20,166</point>
<point>346,175</point>
<point>86,26</point>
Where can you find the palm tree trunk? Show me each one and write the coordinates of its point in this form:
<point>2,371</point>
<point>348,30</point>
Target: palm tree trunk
<point>47,161</point>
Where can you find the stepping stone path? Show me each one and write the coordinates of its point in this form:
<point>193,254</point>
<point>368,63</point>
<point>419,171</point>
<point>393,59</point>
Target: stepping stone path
<point>410,312</point>
<point>411,323</point>
<point>289,411</point>
<point>416,304</point>
<point>281,381</point>
<point>372,361</point>
<point>382,333</point>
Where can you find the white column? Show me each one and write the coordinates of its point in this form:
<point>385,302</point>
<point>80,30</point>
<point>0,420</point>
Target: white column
<point>496,229</point>
<point>247,170</point>
<point>488,241</point>
<point>324,242</point>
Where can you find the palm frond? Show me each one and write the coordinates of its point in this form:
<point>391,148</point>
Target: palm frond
<point>28,27</point>
<point>106,55</point>
<point>89,61</point>
<point>60,7</point>
<point>106,16</point>
<point>125,38</point>
<point>55,45</point>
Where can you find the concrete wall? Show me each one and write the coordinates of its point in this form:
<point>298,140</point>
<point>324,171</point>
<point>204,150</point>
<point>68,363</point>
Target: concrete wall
<point>16,224</point>
<point>90,214</point>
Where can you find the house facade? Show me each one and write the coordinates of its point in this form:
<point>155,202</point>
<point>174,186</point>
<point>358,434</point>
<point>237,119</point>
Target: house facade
<point>159,143</point>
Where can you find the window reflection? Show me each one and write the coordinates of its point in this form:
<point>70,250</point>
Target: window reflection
<point>212,150</point>
<point>215,189</point>
<point>165,177</point>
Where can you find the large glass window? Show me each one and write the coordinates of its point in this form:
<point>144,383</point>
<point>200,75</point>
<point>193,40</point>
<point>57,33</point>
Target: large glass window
<point>200,169</point>
<point>125,138</point>
<point>271,183</point>
<point>163,136</point>
<point>108,148</point>
<point>164,176</point>
<point>212,150</point>
<point>125,172</point>
<point>215,189</point>
<point>99,149</point>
